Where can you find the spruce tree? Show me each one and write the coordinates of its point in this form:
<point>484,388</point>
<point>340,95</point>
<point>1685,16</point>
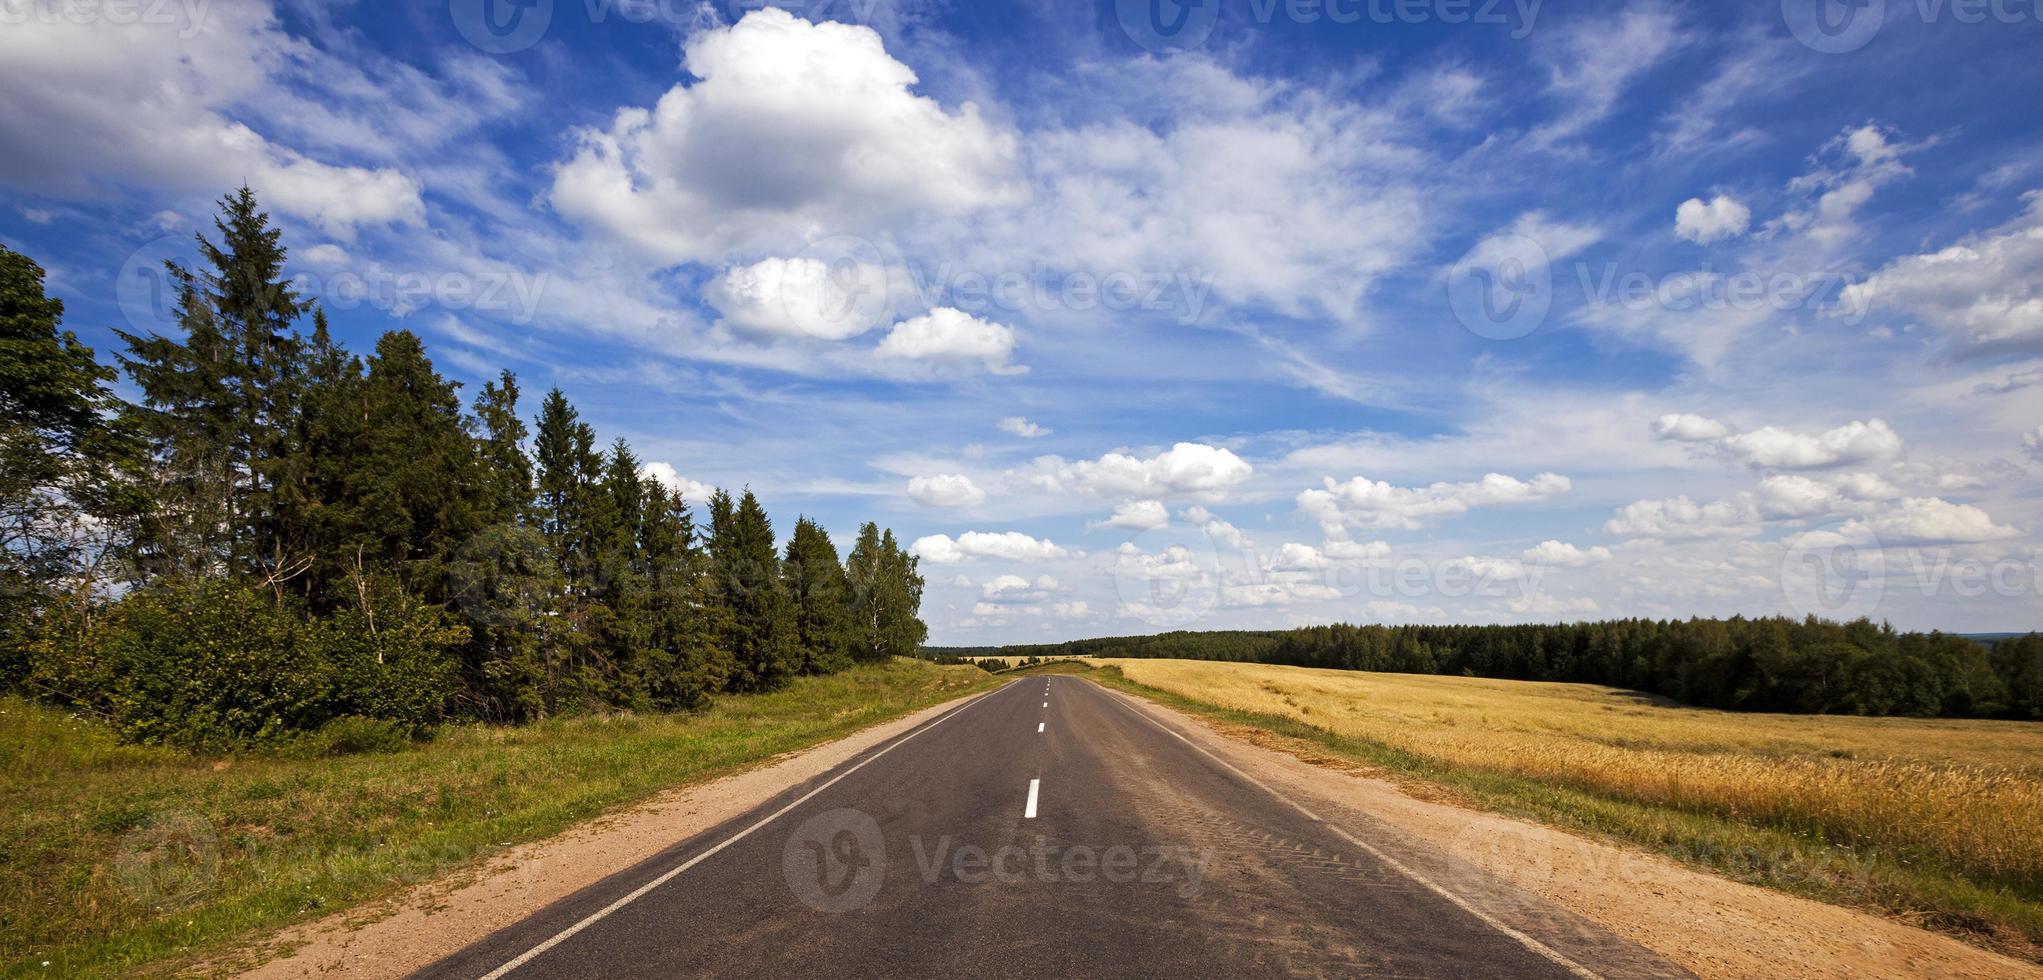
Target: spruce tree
<point>759,632</point>
<point>822,599</point>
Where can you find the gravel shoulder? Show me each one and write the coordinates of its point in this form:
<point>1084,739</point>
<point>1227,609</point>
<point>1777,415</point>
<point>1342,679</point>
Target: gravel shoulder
<point>1711,926</point>
<point>398,936</point>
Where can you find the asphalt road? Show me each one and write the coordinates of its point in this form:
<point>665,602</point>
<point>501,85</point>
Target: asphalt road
<point>1049,828</point>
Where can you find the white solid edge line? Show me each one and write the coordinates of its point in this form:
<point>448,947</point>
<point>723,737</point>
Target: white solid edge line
<point>640,891</point>
<point>1555,956</point>
<point>1030,812</point>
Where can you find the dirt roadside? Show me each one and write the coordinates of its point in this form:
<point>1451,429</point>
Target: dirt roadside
<point>399,935</point>
<point>1711,926</point>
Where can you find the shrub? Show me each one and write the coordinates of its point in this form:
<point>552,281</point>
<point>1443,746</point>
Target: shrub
<point>211,666</point>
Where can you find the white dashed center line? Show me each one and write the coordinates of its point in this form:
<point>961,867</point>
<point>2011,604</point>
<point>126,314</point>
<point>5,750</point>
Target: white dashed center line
<point>1030,812</point>
<point>1039,727</point>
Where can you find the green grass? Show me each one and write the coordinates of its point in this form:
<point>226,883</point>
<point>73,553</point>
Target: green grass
<point>119,860</point>
<point>1919,892</point>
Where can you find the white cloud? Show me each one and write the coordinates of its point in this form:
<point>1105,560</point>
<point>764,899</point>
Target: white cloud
<point>1015,425</point>
<point>795,298</point>
<point>790,128</point>
<point>942,549</point>
<point>1357,550</point>
<point>1219,531</point>
<point>121,100</point>
<point>1185,468</point>
<point>1366,503</point>
<point>1137,515</point>
<point>1680,517</point>
<point>1551,552</point>
<point>1689,428</point>
<point>1983,292</point>
<point>1589,67</point>
<point>945,490</point>
<point>1776,448</point>
<point>1930,520</point>
<point>1853,442</point>
<point>1705,223</point>
<point>950,335</point>
<point>693,491</point>
<point>2032,443</point>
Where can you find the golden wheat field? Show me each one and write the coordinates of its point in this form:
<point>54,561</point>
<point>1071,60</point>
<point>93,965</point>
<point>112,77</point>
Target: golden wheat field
<point>1967,794</point>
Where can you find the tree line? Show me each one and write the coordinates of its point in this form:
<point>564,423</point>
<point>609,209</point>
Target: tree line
<point>280,536</point>
<point>1765,664</point>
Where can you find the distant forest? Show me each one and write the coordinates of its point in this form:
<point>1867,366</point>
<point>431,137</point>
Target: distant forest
<point>1807,666</point>
<point>283,542</point>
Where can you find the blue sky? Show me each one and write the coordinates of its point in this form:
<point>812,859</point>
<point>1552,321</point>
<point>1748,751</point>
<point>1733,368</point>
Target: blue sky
<point>1306,312</point>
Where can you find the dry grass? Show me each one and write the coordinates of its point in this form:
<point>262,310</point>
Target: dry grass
<point>1963,795</point>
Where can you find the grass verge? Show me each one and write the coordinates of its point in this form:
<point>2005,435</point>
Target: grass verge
<point>1921,891</point>
<point>125,860</point>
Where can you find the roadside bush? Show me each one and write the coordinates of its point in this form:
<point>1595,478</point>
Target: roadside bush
<point>394,662</point>
<point>211,666</point>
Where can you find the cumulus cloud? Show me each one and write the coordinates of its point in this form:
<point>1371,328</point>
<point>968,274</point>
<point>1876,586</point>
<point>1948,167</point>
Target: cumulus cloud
<point>1366,503</point>
<point>953,336</point>
<point>1984,293</point>
<point>1219,531</point>
<point>946,490</point>
<point>1689,428</point>
<point>107,99</point>
<point>1705,223</point>
<point>942,549</point>
<point>1015,425</point>
<point>789,127</point>
<point>1771,447</point>
<point>693,491</point>
<point>1930,520</point>
<point>1137,515</point>
<point>795,298</point>
<point>1185,468</point>
<point>1680,517</point>
<point>1551,552</point>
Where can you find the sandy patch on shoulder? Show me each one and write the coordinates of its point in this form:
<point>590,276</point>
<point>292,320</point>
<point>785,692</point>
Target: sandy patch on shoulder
<point>1711,926</point>
<point>400,935</point>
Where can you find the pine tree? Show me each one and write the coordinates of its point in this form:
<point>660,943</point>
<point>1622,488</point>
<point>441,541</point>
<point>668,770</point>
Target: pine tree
<point>687,621</point>
<point>413,486</point>
<point>822,599</point>
<point>222,402</point>
<point>505,480</point>
<point>759,632</point>
<point>626,630</point>
<point>568,468</point>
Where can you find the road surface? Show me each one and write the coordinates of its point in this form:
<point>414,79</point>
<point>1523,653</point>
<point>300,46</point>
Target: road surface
<point>1050,828</point>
